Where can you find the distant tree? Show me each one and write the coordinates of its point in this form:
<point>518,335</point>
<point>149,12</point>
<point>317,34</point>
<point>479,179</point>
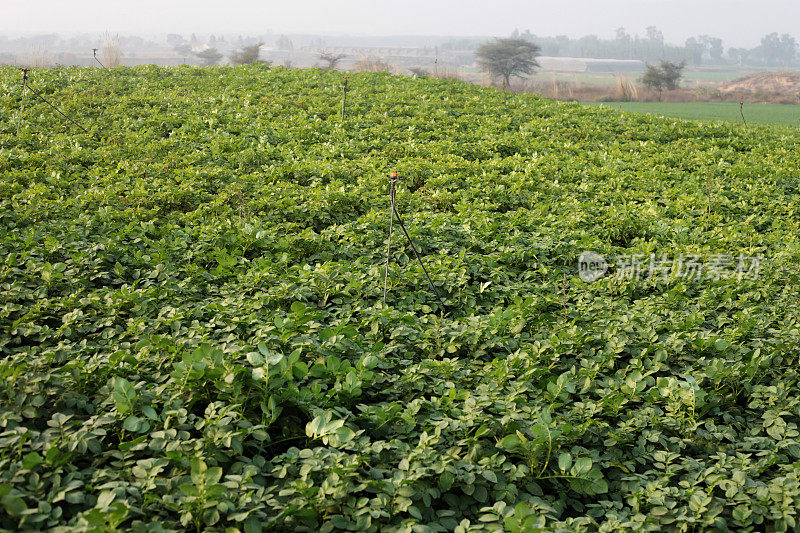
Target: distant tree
<point>330,58</point>
<point>505,58</point>
<point>666,75</point>
<point>182,49</point>
<point>174,39</point>
<point>654,34</point>
<point>714,47</point>
<point>738,55</point>
<point>247,55</point>
<point>209,56</point>
<point>284,43</point>
<point>788,49</point>
<point>778,50</point>
<point>695,49</point>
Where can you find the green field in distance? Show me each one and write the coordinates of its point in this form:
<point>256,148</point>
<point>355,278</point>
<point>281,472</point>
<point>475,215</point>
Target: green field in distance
<point>727,111</point>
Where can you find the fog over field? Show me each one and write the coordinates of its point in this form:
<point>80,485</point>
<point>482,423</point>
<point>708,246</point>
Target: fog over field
<point>737,22</point>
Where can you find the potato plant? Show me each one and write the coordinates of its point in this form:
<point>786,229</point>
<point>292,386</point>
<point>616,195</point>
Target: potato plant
<point>193,337</point>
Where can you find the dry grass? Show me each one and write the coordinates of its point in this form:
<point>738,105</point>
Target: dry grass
<point>447,73</point>
<point>562,90</point>
<point>371,64</point>
<point>38,57</point>
<point>625,90</point>
<point>111,52</point>
<point>557,90</point>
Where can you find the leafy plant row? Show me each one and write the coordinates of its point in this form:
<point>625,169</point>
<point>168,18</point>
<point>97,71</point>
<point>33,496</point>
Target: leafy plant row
<point>192,333</point>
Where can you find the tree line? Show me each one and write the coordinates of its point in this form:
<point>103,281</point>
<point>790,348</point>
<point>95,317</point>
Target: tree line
<point>773,50</point>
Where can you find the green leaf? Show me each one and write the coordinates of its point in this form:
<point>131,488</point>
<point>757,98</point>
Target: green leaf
<point>198,471</point>
<point>190,490</point>
<point>510,443</point>
<point>317,426</point>
<point>564,461</point>
<point>131,423</point>
<point>446,480</point>
<point>581,467</point>
<point>14,505</point>
<point>341,436</point>
<point>105,499</point>
<point>124,395</point>
<point>370,362</point>
<point>721,345</point>
<point>213,475</point>
<point>32,460</point>
<point>256,359</point>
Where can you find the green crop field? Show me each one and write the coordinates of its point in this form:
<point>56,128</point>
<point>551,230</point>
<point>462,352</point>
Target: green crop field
<point>193,334</point>
<point>726,111</point>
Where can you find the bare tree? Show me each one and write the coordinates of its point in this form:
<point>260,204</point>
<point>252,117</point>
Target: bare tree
<point>331,59</point>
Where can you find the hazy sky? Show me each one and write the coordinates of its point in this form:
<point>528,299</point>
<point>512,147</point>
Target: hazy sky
<point>737,22</point>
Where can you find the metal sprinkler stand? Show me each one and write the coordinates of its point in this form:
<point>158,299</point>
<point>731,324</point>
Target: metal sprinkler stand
<point>22,105</point>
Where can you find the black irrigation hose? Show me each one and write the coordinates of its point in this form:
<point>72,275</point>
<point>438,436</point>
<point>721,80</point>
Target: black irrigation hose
<point>95,57</point>
<point>400,221</point>
<point>741,111</point>
<point>394,178</point>
<point>57,109</point>
<point>45,100</point>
